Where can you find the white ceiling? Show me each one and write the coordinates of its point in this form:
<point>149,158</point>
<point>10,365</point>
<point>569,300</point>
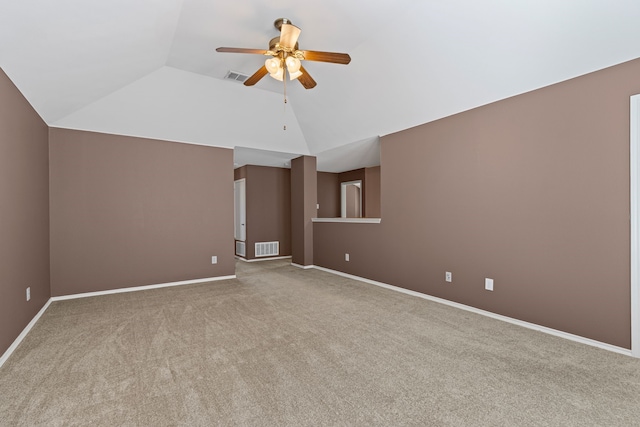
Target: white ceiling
<point>149,67</point>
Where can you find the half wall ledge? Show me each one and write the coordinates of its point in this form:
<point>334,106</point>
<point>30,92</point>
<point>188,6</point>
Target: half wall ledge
<point>349,220</point>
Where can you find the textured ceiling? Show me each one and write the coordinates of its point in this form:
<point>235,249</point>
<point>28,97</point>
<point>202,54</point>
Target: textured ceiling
<point>149,67</point>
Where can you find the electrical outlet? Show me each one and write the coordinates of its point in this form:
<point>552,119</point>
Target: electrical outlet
<point>447,276</point>
<point>488,284</point>
<point>346,257</point>
<point>29,293</point>
<point>214,259</point>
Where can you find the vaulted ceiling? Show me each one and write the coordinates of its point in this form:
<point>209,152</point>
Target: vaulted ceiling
<point>149,67</point>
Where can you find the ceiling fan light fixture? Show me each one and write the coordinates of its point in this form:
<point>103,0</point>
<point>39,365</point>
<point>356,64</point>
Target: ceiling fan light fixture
<point>278,75</point>
<point>293,76</point>
<point>293,64</point>
<point>274,65</point>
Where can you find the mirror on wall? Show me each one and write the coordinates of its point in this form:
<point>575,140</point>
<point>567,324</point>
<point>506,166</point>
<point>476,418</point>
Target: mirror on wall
<point>351,199</point>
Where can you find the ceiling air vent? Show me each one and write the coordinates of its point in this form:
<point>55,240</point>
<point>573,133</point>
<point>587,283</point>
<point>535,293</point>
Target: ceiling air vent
<point>236,76</point>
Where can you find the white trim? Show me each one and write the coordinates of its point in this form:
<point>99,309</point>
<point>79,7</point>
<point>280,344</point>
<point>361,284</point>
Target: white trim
<point>304,267</point>
<point>263,259</point>
<point>141,288</point>
<point>511,320</point>
<point>349,220</point>
<point>634,187</point>
<point>343,196</point>
<point>24,333</point>
<point>240,210</point>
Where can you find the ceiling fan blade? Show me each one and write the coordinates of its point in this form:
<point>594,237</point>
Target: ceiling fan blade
<point>289,35</point>
<point>256,76</point>
<point>306,80</point>
<point>334,57</point>
<point>241,50</point>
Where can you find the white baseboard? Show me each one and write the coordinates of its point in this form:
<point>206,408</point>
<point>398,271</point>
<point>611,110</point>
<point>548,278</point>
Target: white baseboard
<point>141,288</point>
<point>263,259</point>
<point>24,333</point>
<point>511,320</point>
<point>304,267</point>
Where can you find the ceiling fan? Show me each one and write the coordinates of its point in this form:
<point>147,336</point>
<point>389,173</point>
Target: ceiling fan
<point>285,57</point>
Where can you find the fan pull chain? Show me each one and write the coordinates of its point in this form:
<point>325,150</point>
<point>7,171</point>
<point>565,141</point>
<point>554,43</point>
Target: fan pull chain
<point>284,110</point>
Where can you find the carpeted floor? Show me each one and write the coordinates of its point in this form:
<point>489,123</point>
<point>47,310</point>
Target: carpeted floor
<point>281,346</point>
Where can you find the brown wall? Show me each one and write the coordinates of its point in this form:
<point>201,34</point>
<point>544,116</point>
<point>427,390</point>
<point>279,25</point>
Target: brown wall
<point>240,173</point>
<point>304,198</point>
<point>354,175</point>
<point>532,191</point>
<point>268,195</point>
<point>24,212</point>
<point>372,192</point>
<point>329,190</point>
<point>328,195</point>
<point>131,211</point>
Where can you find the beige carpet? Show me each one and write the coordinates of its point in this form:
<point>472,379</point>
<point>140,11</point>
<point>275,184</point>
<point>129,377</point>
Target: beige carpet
<point>282,346</point>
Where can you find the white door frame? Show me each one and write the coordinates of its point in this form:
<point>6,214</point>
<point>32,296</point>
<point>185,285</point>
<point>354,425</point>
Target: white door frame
<point>239,210</point>
<point>634,149</point>
<point>343,196</point>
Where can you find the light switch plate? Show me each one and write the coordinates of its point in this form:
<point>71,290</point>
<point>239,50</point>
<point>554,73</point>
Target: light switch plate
<point>488,284</point>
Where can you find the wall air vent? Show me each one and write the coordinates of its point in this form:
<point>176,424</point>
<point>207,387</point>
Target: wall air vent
<point>236,76</point>
<point>267,249</point>
<point>240,249</point>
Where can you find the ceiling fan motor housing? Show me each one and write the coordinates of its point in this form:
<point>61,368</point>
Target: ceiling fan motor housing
<point>280,21</point>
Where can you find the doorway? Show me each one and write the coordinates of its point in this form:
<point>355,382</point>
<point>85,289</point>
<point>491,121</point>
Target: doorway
<point>351,199</point>
<point>240,216</point>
